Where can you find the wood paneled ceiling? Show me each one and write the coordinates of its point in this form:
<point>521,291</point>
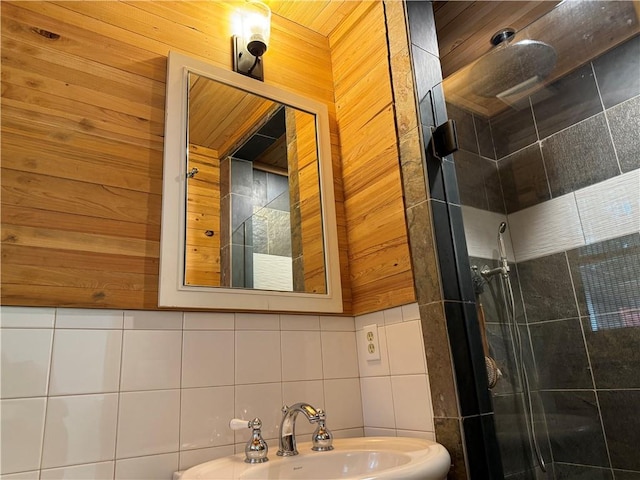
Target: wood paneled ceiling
<point>321,16</point>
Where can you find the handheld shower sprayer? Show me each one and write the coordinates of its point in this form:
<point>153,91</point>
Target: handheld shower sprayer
<point>503,269</point>
<point>502,251</point>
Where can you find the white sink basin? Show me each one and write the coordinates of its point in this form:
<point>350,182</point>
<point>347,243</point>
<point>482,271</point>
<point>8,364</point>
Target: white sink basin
<point>370,458</point>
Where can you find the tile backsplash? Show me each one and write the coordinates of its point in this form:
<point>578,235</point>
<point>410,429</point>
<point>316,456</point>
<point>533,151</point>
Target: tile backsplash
<point>140,394</point>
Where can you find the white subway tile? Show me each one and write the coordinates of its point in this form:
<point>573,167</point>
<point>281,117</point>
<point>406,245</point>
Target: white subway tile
<point>85,361</point>
<point>410,312</point>
<point>151,359</point>
<point>373,368</point>
<point>21,431</point>
<point>611,208</point>
<point>377,402</point>
<point>209,321</point>
<point>148,423</point>
<point>349,433</point>
<point>191,458</point>
<point>311,392</point>
<point>272,272</point>
<point>208,358</point>
<point>417,434</point>
<point>481,233</point>
<point>153,467</point>
<point>204,417</point>
<point>412,402</point>
<point>308,391</point>
<point>301,355</point>
<point>33,475</point>
<point>257,321</point>
<point>406,348</point>
<point>549,227</point>
<point>343,403</point>
<point>93,471</point>
<point>89,318</point>
<point>25,362</point>
<point>339,355</point>
<point>262,400</point>
<point>257,357</point>
<point>152,320</point>
<point>379,432</point>
<point>392,315</point>
<point>299,322</point>
<point>80,429</point>
<point>27,317</point>
<point>337,323</point>
<point>369,319</point>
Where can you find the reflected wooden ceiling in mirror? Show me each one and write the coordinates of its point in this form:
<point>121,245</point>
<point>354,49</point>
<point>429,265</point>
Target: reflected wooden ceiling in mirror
<point>224,127</point>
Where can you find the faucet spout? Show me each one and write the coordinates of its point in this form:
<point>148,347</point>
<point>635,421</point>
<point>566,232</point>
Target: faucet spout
<point>287,443</point>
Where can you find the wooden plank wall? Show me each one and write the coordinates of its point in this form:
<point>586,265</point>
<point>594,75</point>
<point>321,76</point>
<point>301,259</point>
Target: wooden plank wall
<point>202,256</point>
<point>82,139</point>
<point>309,272</point>
<point>379,261</point>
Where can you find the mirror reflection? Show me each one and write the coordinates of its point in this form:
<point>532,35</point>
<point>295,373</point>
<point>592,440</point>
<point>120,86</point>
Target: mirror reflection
<point>253,207</point>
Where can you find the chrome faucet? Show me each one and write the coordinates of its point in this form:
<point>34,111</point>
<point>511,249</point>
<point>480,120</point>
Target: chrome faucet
<point>322,438</point>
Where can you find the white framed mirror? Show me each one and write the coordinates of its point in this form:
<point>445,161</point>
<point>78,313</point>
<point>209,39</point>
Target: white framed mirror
<point>248,213</point>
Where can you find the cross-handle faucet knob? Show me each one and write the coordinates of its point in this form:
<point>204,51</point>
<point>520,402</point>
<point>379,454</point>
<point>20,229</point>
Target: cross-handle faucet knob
<point>322,439</point>
<point>256,449</point>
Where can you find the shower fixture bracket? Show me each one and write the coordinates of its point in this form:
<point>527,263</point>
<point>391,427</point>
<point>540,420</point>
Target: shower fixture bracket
<point>444,139</point>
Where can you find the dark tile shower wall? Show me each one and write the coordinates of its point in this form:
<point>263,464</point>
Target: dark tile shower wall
<point>587,131</point>
<point>583,305</point>
<point>260,219</point>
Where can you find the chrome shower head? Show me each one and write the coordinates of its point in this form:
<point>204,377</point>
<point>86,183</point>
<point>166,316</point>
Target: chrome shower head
<point>503,227</point>
<point>510,67</point>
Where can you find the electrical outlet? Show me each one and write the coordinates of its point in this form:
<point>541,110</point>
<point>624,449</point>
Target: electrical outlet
<point>372,346</point>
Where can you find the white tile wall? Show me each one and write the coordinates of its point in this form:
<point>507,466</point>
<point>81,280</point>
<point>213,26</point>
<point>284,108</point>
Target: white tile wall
<point>406,348</point>
<point>80,429</point>
<point>24,368</point>
<point>94,471</point>
<point>258,357</point>
<point>204,417</point>
<point>85,361</point>
<point>151,359</point>
<point>189,458</point>
<point>412,402</point>
<point>611,208</point>
<point>148,423</point>
<point>33,317</point>
<point>377,402</point>
<point>147,468</point>
<point>396,400</point>
<point>109,394</point>
<point>608,209</point>
<point>549,227</point>
<point>262,400</point>
<point>339,356</point>
<point>301,354</point>
<point>203,354</point>
<point>21,433</point>
<point>481,232</point>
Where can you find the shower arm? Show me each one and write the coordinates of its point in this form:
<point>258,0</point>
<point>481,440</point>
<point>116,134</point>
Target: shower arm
<point>503,270</point>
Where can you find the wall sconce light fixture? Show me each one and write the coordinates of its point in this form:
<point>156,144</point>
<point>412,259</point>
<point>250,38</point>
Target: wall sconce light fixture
<point>253,39</point>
